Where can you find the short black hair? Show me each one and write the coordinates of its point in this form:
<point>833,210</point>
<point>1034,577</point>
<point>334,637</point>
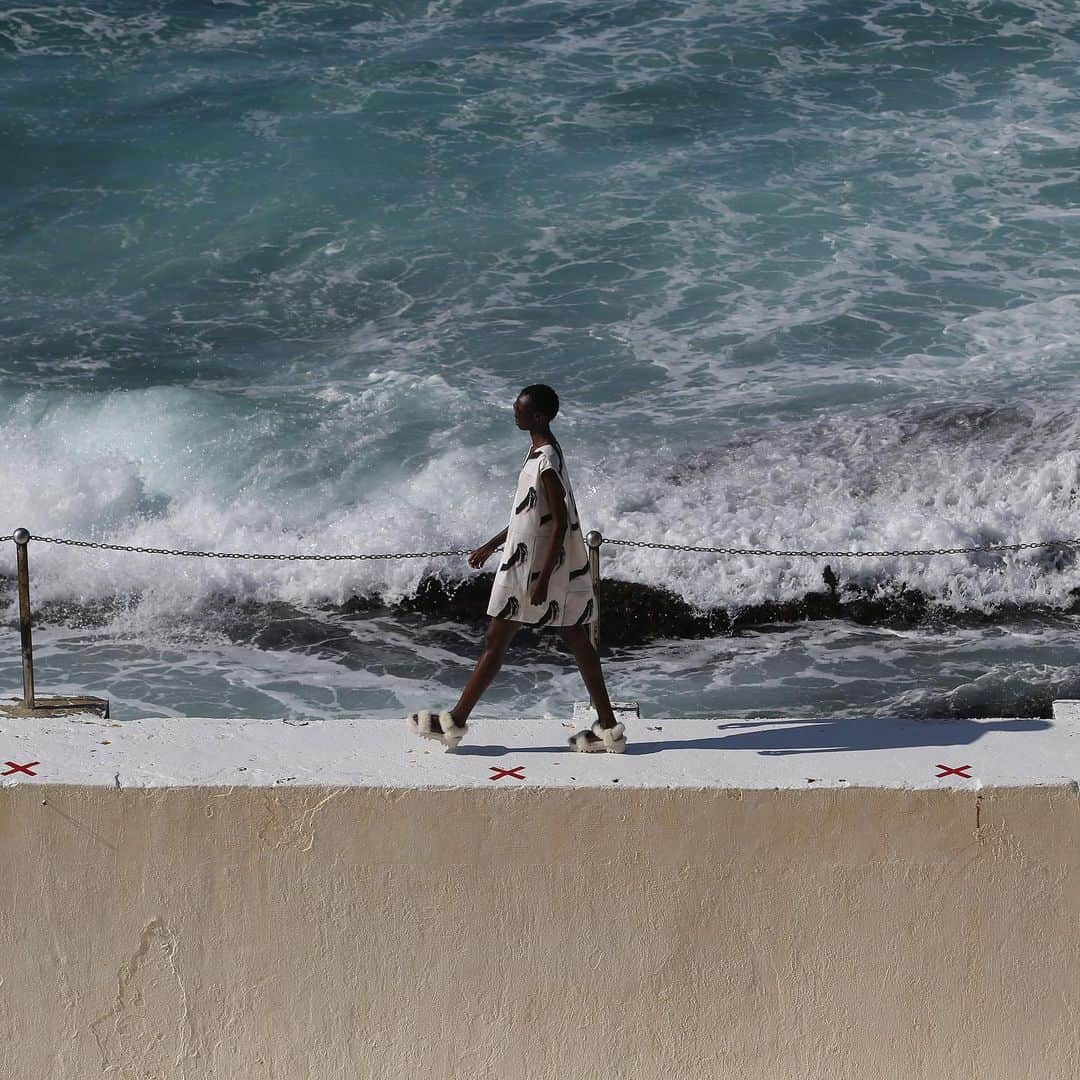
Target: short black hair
<point>543,397</point>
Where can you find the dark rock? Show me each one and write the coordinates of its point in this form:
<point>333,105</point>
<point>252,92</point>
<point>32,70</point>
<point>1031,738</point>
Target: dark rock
<point>632,613</point>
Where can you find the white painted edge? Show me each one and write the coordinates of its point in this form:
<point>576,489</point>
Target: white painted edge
<point>777,753</point>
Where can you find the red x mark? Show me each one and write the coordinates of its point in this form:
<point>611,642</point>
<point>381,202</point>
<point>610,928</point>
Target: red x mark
<point>20,768</point>
<point>499,773</point>
<point>959,771</point>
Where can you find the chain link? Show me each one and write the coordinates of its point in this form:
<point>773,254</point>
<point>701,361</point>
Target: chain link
<point>605,540</point>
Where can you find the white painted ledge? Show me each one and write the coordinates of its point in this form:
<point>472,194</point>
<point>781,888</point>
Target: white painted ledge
<point>663,753</point>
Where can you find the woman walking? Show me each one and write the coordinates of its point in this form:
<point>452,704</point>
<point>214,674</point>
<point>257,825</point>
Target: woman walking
<point>543,580</point>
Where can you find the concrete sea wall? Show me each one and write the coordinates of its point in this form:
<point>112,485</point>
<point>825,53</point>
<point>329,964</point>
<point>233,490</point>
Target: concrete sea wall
<point>162,919</point>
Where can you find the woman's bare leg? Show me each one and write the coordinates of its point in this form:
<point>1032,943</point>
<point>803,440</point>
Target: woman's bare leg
<point>577,637</point>
<point>498,636</point>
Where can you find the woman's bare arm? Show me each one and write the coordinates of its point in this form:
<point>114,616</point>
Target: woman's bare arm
<point>499,538</point>
<point>556,497</point>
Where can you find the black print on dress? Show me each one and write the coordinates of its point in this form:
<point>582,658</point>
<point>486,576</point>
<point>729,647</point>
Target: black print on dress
<point>521,553</point>
<point>575,526</point>
<point>586,614</point>
<point>533,576</point>
<point>552,613</point>
<point>545,519</point>
<point>527,502</point>
<point>578,573</point>
<point>510,609</point>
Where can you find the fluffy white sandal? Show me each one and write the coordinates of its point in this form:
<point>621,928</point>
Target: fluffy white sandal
<point>441,726</point>
<point>596,739</point>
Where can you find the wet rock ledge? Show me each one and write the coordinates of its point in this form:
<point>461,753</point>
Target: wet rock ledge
<point>632,613</point>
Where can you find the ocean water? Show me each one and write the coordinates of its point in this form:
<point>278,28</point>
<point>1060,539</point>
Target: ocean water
<point>805,276</point>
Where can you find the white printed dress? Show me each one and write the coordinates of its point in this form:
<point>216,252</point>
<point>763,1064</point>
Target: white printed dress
<point>570,598</point>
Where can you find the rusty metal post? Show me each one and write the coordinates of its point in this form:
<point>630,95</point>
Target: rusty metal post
<point>31,704</point>
<point>22,538</point>
<point>594,539</point>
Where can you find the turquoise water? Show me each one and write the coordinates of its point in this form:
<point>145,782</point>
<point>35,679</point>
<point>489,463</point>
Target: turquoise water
<point>805,276</point>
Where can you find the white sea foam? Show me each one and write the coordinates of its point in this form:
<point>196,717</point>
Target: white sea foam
<point>384,467</point>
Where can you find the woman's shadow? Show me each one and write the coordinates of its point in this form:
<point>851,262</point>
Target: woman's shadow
<point>811,736</point>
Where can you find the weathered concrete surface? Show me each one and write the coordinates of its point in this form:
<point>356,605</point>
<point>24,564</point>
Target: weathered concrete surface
<point>863,751</point>
<point>506,929</point>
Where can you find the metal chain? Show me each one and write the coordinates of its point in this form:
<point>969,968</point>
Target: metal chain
<point>605,540</point>
<point>852,554</point>
<point>238,554</point>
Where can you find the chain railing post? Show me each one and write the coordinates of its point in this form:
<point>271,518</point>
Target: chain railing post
<point>594,539</point>
<point>31,704</point>
<point>22,538</point>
